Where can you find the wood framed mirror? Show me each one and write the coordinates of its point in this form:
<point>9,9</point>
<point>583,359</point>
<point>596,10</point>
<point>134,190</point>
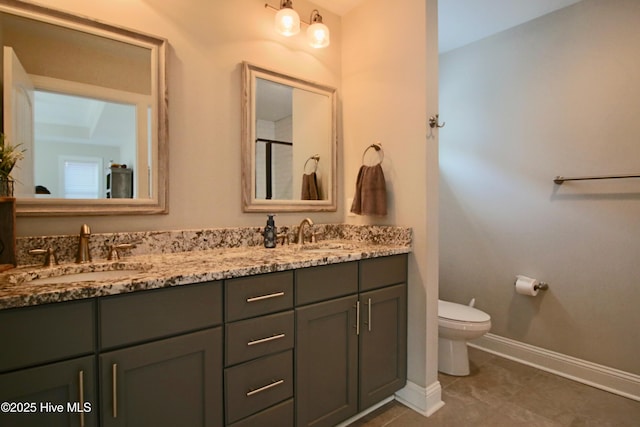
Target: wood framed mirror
<point>289,143</point>
<point>96,142</point>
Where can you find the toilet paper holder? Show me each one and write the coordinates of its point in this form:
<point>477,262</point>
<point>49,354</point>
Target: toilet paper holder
<point>542,286</point>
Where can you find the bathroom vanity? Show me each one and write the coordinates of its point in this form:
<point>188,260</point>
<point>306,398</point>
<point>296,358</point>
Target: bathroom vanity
<point>234,337</point>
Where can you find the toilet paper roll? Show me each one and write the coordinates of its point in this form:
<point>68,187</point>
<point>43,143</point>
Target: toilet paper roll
<point>526,286</point>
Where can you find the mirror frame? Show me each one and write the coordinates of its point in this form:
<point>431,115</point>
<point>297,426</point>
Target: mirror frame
<point>250,73</point>
<point>158,47</point>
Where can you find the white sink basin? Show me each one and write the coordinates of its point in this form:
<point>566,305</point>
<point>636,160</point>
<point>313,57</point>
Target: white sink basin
<point>329,247</point>
<point>85,277</point>
<point>69,273</point>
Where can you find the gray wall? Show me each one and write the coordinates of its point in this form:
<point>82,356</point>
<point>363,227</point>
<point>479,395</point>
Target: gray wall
<point>555,96</point>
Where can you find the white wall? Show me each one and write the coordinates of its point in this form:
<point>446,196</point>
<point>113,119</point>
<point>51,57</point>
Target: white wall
<point>208,41</point>
<point>389,90</point>
<point>556,96</point>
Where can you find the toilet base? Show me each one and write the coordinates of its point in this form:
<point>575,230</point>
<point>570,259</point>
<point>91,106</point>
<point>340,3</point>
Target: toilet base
<point>453,357</point>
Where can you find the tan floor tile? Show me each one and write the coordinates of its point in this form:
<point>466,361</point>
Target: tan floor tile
<point>500,392</point>
<point>382,416</point>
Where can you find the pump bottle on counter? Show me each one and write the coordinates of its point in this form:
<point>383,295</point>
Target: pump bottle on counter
<point>270,232</point>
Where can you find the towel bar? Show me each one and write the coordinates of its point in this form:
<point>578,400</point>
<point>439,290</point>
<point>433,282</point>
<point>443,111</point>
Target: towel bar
<point>315,157</point>
<point>560,179</point>
<point>378,147</point>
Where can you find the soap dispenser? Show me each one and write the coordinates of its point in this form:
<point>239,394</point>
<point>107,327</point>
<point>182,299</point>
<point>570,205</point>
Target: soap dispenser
<point>270,232</point>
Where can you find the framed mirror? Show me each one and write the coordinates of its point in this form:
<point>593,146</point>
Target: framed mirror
<point>88,103</point>
<point>289,143</point>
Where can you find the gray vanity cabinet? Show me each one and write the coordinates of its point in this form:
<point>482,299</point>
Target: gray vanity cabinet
<point>383,344</point>
<point>47,360</point>
<point>161,357</point>
<point>351,350</point>
<point>35,395</point>
<point>259,340</point>
<point>171,382</point>
<point>326,362</point>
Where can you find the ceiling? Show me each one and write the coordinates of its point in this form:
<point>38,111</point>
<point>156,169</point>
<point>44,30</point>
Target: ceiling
<point>461,22</point>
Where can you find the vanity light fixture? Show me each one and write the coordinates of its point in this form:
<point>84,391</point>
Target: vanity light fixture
<point>287,19</point>
<point>287,23</point>
<point>317,33</point>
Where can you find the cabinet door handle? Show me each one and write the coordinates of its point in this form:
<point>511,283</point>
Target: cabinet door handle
<point>114,391</point>
<point>369,314</point>
<point>81,396</point>
<point>358,318</point>
<point>263,297</point>
<point>267,339</point>
<point>264,388</point>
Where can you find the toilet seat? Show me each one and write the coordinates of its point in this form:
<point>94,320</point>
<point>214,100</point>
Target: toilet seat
<point>461,313</point>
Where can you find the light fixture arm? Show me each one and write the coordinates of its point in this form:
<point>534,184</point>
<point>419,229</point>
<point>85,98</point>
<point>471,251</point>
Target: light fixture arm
<point>287,4</point>
<point>315,17</point>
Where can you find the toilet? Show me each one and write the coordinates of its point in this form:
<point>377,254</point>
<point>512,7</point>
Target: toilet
<point>457,324</point>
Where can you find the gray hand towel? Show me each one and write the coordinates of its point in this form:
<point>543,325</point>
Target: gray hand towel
<point>371,192</point>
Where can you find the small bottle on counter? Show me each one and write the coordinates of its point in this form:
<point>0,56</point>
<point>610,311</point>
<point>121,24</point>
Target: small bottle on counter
<point>270,232</point>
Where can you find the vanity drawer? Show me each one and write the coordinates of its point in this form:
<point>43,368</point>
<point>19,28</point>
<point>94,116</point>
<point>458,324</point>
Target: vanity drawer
<point>326,282</point>
<point>147,315</point>
<point>253,296</point>
<point>256,385</point>
<point>383,271</point>
<point>280,415</point>
<point>46,333</point>
<point>253,338</point>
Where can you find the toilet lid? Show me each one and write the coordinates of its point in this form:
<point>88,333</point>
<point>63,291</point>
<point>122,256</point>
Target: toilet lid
<point>464,313</point>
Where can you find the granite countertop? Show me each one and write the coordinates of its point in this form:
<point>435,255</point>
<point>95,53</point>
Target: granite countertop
<point>155,271</point>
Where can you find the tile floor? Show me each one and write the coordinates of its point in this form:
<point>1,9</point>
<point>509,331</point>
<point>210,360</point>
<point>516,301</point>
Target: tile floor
<point>502,393</point>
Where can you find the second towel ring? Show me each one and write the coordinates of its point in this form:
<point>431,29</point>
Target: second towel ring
<point>378,147</point>
<point>316,158</point>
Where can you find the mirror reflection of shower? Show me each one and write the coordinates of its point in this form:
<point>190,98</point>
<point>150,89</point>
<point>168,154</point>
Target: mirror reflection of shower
<point>274,140</point>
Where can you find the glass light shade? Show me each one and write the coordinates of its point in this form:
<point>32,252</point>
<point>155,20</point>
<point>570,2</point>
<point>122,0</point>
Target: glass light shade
<point>318,35</point>
<point>287,22</point>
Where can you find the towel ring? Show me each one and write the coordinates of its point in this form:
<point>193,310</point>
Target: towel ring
<point>378,147</point>
<point>316,158</point>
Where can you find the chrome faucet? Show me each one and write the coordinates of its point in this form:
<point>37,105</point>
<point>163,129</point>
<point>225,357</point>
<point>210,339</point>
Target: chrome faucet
<point>84,255</point>
<point>309,223</point>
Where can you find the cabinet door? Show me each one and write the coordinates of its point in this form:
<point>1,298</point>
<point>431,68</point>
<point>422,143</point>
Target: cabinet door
<point>173,382</point>
<point>383,343</point>
<point>50,395</point>
<point>326,362</point>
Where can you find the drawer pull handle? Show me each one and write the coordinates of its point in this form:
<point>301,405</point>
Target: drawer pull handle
<point>267,339</point>
<point>265,388</point>
<point>114,391</point>
<point>263,297</point>
<point>358,318</point>
<point>370,308</point>
<point>81,396</point>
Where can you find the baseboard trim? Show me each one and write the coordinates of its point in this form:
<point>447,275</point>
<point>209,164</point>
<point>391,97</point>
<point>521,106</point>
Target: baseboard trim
<point>603,377</point>
<point>425,401</point>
